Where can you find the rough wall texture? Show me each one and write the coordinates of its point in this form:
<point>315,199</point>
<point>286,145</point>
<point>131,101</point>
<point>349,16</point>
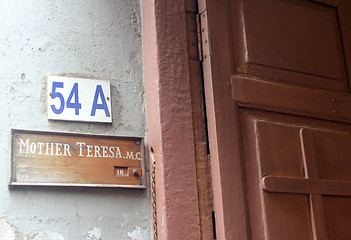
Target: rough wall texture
<point>169,118</point>
<point>87,38</point>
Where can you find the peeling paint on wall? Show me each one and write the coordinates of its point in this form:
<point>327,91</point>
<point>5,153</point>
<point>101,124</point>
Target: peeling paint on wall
<point>44,236</point>
<point>139,234</point>
<point>94,234</point>
<point>8,231</point>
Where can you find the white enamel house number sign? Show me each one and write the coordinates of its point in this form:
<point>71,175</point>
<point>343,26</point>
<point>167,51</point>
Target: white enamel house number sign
<point>78,99</point>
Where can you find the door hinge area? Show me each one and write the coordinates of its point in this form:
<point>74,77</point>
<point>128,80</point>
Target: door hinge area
<point>202,35</point>
<point>199,38</point>
<point>214,225</point>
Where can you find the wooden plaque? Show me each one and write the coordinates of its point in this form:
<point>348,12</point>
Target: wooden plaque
<point>65,159</point>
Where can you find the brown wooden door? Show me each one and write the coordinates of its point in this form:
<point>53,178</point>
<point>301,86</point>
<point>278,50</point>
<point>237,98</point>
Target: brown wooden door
<point>277,88</point>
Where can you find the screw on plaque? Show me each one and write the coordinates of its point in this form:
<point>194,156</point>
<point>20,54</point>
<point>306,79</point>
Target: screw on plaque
<point>108,99</point>
<point>137,142</point>
<point>50,94</point>
<point>136,172</point>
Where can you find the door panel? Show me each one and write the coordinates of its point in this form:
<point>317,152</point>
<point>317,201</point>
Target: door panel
<point>288,218</point>
<point>289,163</point>
<point>294,41</point>
<point>276,76</point>
<point>285,160</point>
<point>334,152</point>
<point>338,217</point>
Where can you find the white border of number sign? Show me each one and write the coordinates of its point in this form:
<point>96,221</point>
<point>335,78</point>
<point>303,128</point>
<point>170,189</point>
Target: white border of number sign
<point>78,99</point>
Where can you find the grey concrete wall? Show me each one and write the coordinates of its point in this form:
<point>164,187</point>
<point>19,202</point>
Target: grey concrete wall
<point>86,38</point>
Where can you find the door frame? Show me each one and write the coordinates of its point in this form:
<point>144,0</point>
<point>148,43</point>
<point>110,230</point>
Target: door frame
<point>176,133</point>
